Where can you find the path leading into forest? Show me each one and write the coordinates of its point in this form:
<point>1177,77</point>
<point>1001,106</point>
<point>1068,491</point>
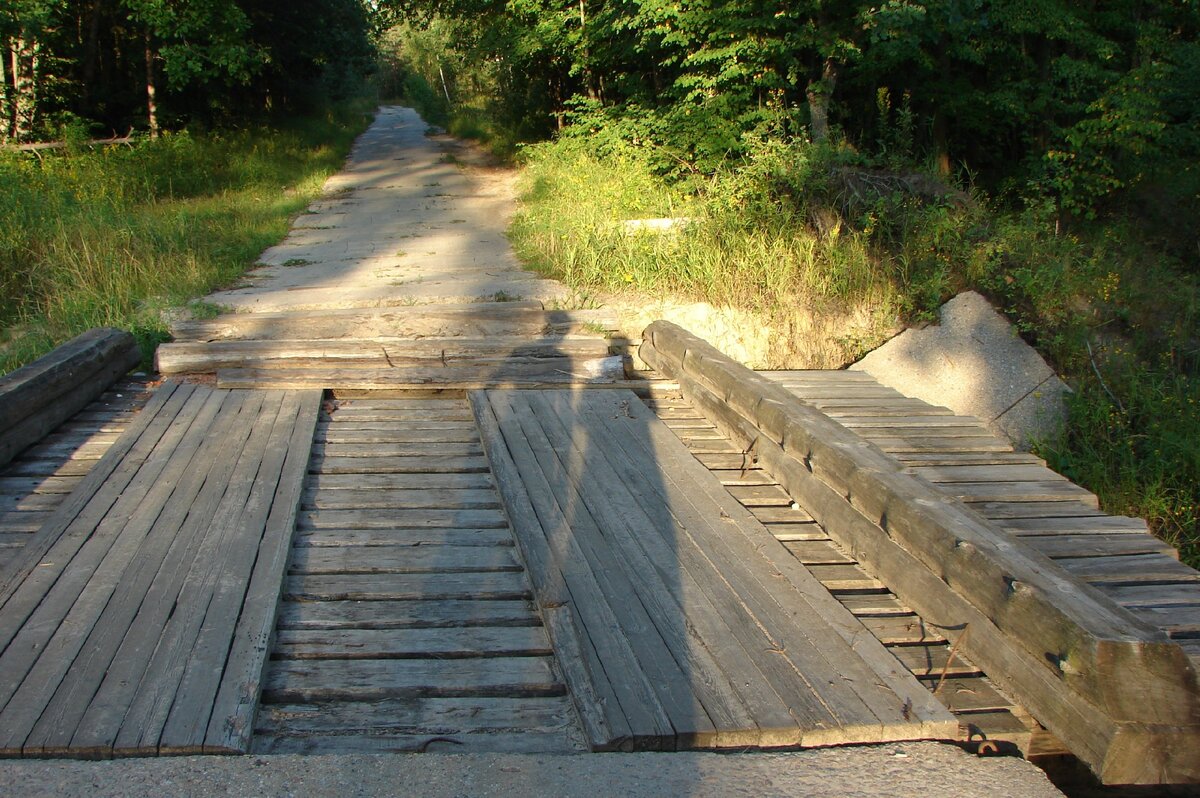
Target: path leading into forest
<point>411,219</point>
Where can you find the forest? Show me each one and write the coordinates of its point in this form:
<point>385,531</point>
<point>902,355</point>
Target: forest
<point>842,158</point>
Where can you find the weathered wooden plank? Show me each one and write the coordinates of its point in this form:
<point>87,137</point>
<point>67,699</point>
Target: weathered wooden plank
<point>341,433</point>
<point>423,715</point>
<point>1062,546</point>
<point>237,697</point>
<point>760,495</point>
<point>414,614</point>
<point>47,644</point>
<point>970,694</point>
<point>1041,491</point>
<point>1075,525</point>
<point>191,356</point>
<point>118,645</point>
<point>781,515</point>
<point>1131,569</point>
<point>407,499</point>
<point>290,681</point>
<point>817,552</point>
<point>428,464</point>
<point>36,398</point>
<point>439,643</point>
<point>616,704</point>
<point>413,519</point>
<point>1002,511</point>
<point>146,671</point>
<point>112,472</point>
<point>22,486</point>
<point>1142,595</point>
<point>508,585</point>
<point>402,559</point>
<point>531,375</point>
<point>902,629</point>
<point>737,551</point>
<point>375,451</point>
<point>1016,472</point>
<point>960,458</point>
<point>412,481</point>
<point>748,712</point>
<point>430,536</point>
<point>934,660</point>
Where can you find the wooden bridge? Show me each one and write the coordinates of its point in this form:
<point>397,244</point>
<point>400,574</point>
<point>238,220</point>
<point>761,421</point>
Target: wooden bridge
<point>466,528</point>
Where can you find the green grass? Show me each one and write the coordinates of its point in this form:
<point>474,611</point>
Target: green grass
<point>727,244</point>
<point>117,236</point>
<point>1113,312</point>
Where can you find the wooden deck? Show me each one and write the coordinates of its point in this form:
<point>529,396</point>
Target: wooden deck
<point>138,619</point>
<point>1015,490</point>
<point>681,622</point>
<point>406,623</point>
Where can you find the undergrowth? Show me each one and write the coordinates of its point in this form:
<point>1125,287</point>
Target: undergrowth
<point>116,236</point>
<point>795,228</point>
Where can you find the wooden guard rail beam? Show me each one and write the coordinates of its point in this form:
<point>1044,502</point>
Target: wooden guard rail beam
<point>1117,691</point>
<point>38,397</point>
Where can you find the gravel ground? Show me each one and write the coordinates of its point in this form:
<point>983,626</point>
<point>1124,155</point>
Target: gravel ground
<point>924,770</point>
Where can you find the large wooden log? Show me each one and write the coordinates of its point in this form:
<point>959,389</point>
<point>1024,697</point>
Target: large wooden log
<point>1114,688</point>
<point>38,397</point>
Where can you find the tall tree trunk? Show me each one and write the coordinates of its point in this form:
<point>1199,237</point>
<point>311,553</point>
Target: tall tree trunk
<point>24,102</point>
<point>5,90</point>
<point>151,89</point>
<point>91,57</point>
<point>819,93</point>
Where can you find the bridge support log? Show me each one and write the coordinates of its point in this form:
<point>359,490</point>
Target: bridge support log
<point>37,398</point>
<point>1116,690</point>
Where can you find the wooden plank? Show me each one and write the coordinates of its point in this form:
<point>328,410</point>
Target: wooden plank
<point>377,680</point>
<point>1017,472</point>
<point>343,433</point>
<point>42,652</point>
<point>378,450</point>
<point>970,694</point>
<point>933,660</point>
<point>402,559</point>
<point>119,642</point>
<point>440,643</point>
<point>535,375</point>
<point>195,643</point>
<point>429,464</point>
<point>144,676</point>
<point>735,552</point>
<point>414,614</point>
<point>36,398</point>
<point>424,716</point>
<point>103,483</point>
<point>413,519</point>
<point>406,499</point>
<point>1075,525</point>
<point>1131,569</point>
<point>191,356</point>
<point>760,495</point>
<point>413,481</point>
<point>1143,595</point>
<point>617,705</point>
<point>237,697</point>
<point>1063,546</point>
<point>430,536</point>
<point>406,587</point>
<point>1003,511</point>
<point>750,712</point>
<point>960,458</point>
<point>1042,491</point>
<point>902,629</point>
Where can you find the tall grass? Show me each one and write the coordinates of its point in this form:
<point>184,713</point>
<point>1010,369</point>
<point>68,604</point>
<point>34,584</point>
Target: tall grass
<point>1115,315</point>
<point>728,242</point>
<point>116,236</point>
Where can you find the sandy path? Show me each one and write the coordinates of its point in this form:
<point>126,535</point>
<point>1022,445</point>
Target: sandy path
<point>405,222</point>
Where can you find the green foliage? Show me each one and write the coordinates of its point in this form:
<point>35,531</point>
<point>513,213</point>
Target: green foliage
<point>115,236</point>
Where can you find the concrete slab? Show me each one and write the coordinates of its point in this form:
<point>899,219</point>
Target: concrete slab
<point>403,223</point>
<point>974,363</point>
<point>920,770</point>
